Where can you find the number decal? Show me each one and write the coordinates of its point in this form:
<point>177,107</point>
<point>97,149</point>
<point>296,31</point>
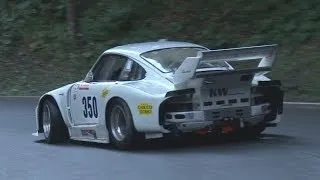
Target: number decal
<point>95,109</point>
<point>85,111</point>
<point>90,107</point>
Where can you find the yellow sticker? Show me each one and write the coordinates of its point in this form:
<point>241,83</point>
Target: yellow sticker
<point>145,109</point>
<point>105,92</point>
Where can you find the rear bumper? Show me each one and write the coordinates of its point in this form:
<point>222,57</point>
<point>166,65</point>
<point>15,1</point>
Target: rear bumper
<point>265,106</point>
<point>196,120</point>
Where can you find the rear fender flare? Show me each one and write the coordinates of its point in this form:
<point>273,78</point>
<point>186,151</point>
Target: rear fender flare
<point>39,110</point>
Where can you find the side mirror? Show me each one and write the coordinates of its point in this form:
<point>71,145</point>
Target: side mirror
<point>89,77</point>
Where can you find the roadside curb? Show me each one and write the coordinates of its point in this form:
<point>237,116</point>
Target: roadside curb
<point>19,96</point>
<point>302,103</point>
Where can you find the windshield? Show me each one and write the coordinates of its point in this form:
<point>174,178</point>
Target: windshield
<point>168,60</point>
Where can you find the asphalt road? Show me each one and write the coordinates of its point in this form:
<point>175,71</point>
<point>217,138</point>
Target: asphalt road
<point>290,151</point>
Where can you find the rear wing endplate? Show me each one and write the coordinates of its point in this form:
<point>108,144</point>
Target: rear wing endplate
<point>267,53</point>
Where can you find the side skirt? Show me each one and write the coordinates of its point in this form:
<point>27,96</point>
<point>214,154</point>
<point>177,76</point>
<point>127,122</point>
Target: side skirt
<point>102,141</point>
<point>89,133</point>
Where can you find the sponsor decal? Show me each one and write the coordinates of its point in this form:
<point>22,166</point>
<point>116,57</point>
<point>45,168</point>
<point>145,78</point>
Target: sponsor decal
<point>89,132</point>
<point>218,92</point>
<point>84,87</point>
<point>105,92</point>
<point>145,108</point>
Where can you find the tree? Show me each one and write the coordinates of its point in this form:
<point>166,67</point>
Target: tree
<point>72,18</point>
<point>4,5</point>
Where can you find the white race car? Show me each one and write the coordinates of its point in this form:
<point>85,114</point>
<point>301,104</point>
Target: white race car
<point>148,90</point>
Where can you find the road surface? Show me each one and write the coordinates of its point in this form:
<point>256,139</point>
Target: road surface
<point>290,151</point>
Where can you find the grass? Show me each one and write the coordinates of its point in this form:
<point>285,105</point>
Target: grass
<point>35,55</point>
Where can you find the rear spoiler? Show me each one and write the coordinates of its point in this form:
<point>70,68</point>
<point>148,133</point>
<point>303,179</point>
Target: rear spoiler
<point>188,69</point>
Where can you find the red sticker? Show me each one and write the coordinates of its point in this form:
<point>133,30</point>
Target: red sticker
<point>84,87</point>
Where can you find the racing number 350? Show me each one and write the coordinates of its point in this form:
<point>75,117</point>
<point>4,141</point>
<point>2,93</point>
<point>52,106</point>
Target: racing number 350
<point>90,107</point>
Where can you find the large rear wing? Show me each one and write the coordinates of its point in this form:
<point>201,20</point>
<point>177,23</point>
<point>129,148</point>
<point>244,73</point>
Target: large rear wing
<point>189,67</point>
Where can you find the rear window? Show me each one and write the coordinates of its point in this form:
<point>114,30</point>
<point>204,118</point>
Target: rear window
<point>169,59</point>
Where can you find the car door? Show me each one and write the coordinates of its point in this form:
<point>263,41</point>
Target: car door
<point>86,102</point>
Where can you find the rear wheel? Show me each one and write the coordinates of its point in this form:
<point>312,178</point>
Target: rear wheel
<point>252,131</point>
<point>54,128</point>
<point>122,132</point>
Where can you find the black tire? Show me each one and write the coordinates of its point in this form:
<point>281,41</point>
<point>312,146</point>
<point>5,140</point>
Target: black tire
<point>252,131</point>
<point>131,137</point>
<point>257,130</point>
<point>58,130</point>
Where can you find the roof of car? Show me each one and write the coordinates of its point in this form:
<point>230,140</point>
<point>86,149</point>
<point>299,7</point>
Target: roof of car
<point>139,48</point>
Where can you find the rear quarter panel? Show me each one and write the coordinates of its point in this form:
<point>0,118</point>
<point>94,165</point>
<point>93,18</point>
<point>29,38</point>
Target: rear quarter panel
<point>143,98</point>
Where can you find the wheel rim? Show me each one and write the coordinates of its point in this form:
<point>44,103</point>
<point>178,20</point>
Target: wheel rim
<point>118,123</point>
<point>46,119</point>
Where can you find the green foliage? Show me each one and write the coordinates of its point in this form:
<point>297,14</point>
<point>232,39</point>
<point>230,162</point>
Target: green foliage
<point>36,56</point>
